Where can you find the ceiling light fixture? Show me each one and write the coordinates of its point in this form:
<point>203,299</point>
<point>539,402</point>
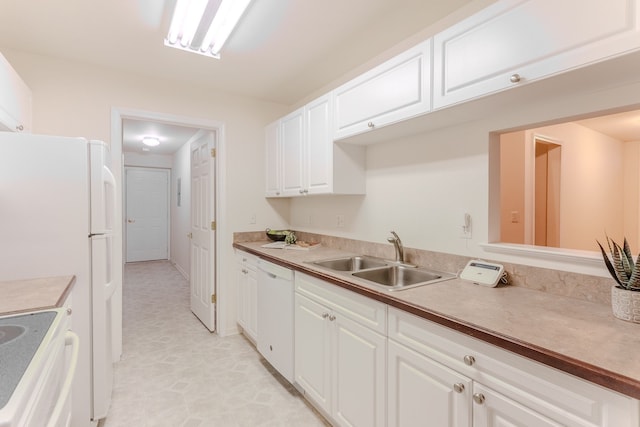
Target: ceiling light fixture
<point>203,26</point>
<point>150,141</point>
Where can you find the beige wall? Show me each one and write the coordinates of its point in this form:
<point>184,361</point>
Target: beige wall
<point>73,99</point>
<point>512,185</point>
<point>592,184</point>
<point>421,186</point>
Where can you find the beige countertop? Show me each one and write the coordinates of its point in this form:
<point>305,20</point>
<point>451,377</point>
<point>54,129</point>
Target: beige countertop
<point>579,337</point>
<point>19,296</point>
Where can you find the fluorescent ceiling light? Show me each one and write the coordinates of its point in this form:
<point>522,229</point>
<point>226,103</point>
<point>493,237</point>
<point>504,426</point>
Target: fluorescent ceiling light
<point>203,26</point>
<point>150,141</point>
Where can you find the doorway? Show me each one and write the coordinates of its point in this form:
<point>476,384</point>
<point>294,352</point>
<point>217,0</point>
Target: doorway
<point>147,214</point>
<point>117,152</point>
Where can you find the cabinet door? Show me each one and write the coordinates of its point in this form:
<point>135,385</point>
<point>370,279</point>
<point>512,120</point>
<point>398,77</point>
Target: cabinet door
<point>273,158</point>
<point>491,409</point>
<point>15,100</point>
<point>515,41</point>
<point>423,392</point>
<point>243,295</point>
<point>319,153</point>
<point>396,90</point>
<point>292,143</point>
<point>312,351</point>
<point>252,303</point>
<point>359,374</point>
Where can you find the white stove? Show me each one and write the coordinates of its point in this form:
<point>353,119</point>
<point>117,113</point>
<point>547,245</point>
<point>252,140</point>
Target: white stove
<point>35,370</point>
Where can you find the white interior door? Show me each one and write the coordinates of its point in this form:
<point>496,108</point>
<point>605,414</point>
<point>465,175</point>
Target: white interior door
<point>203,286</point>
<point>147,221</point>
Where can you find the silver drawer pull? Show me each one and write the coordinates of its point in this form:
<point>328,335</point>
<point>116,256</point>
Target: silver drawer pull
<point>458,387</point>
<point>515,78</point>
<point>478,398</point>
<point>469,360</point>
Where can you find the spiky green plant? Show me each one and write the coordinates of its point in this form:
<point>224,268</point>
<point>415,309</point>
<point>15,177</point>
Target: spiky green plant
<point>621,266</point>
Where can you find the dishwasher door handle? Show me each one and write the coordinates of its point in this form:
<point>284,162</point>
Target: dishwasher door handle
<point>268,273</point>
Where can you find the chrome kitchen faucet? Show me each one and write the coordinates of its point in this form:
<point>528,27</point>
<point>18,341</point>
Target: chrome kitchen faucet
<point>398,245</point>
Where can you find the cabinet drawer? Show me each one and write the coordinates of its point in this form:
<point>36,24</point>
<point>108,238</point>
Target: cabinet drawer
<point>247,259</point>
<point>555,394</point>
<point>368,312</point>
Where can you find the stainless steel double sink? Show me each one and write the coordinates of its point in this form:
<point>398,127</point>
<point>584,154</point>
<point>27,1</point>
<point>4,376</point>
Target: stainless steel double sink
<point>392,276</point>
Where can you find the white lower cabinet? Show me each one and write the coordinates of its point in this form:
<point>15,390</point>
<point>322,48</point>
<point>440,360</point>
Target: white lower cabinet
<point>247,283</point>
<point>440,377</point>
<point>423,392</point>
<point>340,352</point>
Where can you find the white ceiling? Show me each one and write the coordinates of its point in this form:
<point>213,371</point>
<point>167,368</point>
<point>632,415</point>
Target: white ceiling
<point>282,51</point>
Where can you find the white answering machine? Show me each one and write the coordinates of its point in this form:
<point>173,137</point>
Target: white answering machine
<point>483,273</point>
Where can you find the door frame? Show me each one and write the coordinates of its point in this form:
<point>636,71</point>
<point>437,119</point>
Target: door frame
<point>117,159</point>
<point>530,153</point>
<point>125,237</point>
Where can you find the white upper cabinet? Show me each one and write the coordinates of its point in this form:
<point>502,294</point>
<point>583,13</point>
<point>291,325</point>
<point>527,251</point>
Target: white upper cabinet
<point>15,100</point>
<point>292,142</point>
<point>273,157</point>
<point>394,91</point>
<point>302,158</point>
<point>513,42</point>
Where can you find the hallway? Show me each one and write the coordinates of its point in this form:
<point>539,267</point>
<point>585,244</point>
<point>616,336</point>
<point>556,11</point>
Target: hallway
<point>175,373</point>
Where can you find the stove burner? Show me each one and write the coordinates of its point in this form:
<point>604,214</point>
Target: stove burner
<point>10,332</point>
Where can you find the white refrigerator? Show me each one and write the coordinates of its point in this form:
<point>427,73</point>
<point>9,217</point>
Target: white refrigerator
<point>57,216</point>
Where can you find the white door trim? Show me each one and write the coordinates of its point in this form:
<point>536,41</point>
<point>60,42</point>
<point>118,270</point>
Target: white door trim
<point>117,115</point>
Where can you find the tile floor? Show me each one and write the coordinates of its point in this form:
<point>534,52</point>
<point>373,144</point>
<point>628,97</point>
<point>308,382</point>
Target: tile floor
<point>175,373</point>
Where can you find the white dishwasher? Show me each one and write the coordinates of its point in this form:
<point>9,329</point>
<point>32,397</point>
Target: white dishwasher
<point>275,316</point>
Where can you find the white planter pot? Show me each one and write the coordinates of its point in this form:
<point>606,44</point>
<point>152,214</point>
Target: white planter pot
<point>625,304</point>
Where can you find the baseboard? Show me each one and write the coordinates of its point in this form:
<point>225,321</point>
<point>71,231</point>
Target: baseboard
<point>184,273</point>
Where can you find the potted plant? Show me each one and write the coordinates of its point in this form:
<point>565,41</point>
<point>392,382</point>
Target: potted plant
<point>625,296</point>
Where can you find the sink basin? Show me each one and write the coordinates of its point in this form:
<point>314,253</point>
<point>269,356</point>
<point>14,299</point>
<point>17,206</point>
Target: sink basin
<point>397,277</point>
<point>352,263</point>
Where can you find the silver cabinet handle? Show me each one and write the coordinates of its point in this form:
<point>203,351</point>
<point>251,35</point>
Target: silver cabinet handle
<point>131,220</point>
<point>19,128</point>
<point>325,315</point>
<point>273,276</point>
<point>458,387</point>
<point>371,125</point>
<point>332,318</point>
<point>301,191</point>
<point>469,360</point>
<point>515,78</point>
<point>478,398</point>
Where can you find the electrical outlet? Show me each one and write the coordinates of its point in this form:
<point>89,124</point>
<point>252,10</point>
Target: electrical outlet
<point>252,218</point>
<point>340,221</point>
